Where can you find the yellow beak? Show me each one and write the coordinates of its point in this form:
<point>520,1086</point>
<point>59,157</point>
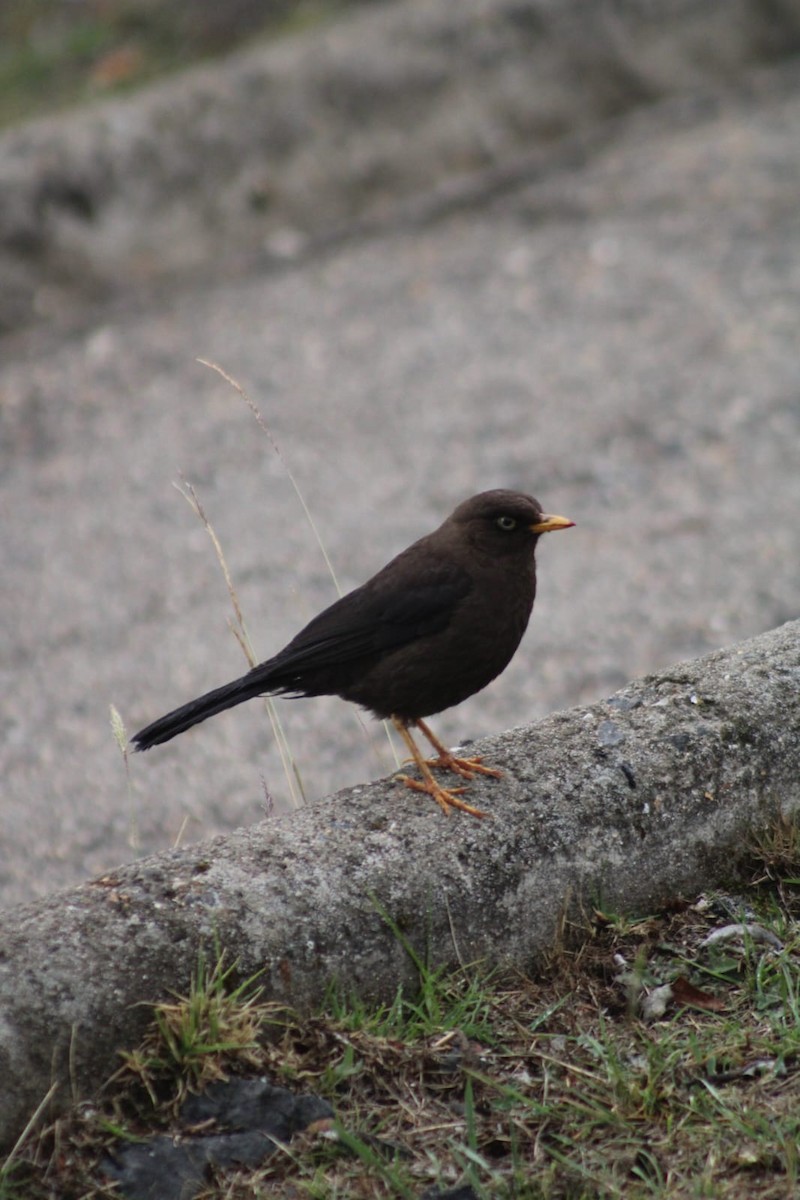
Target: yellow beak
<point>549,523</point>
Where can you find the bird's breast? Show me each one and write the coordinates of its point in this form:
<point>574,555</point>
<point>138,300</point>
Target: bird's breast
<point>438,671</point>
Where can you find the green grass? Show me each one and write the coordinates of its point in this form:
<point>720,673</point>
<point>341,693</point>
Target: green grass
<point>194,1036</point>
<point>542,1087</point>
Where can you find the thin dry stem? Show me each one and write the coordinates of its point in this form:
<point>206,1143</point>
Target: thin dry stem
<point>120,737</point>
<point>262,424</point>
<point>239,628</point>
<point>264,427</point>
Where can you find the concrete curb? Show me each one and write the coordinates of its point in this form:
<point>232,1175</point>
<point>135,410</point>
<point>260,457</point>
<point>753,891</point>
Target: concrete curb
<point>626,803</point>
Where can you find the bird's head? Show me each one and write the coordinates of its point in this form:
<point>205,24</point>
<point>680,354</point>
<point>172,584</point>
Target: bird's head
<point>501,523</point>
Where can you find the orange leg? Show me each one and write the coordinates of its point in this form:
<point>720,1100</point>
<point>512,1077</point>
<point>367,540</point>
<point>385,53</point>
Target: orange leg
<point>468,768</point>
<point>446,798</point>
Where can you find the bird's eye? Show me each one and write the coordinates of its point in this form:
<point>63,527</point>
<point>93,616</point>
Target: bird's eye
<point>506,523</point>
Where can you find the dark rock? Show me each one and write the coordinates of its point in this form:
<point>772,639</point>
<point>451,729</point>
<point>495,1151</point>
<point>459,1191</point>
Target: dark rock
<point>254,1115</point>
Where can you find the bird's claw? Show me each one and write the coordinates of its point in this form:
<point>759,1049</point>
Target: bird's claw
<point>467,768</point>
<point>446,798</point>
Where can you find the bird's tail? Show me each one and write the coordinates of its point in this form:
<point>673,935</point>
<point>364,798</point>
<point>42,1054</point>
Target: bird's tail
<point>180,719</point>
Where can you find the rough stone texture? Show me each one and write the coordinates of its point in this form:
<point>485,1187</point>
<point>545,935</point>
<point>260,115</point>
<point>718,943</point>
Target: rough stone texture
<point>627,804</point>
<point>302,136</point>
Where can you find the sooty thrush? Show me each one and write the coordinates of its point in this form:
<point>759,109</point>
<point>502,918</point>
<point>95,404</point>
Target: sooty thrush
<point>436,625</point>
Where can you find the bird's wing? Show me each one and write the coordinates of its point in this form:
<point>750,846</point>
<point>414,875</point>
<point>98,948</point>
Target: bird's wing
<point>373,621</point>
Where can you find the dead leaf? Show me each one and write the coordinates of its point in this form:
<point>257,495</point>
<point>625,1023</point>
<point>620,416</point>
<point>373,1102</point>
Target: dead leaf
<point>684,992</point>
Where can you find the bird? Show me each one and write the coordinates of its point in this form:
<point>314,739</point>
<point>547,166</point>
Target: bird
<point>434,626</point>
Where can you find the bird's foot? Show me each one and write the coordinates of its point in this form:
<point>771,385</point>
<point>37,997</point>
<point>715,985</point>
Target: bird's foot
<point>467,768</point>
<point>446,798</point>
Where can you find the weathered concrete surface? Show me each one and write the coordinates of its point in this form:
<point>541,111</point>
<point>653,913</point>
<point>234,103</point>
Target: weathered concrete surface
<point>627,803</point>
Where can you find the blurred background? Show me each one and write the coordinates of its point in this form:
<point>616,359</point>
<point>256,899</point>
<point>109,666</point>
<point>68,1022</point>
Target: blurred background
<point>442,248</point>
<point>59,53</point>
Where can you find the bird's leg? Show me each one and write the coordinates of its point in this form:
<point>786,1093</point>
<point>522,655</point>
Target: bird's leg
<point>446,798</point>
<point>467,768</point>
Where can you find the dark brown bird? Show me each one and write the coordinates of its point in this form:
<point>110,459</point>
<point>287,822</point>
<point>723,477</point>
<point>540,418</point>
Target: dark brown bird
<point>436,625</point>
